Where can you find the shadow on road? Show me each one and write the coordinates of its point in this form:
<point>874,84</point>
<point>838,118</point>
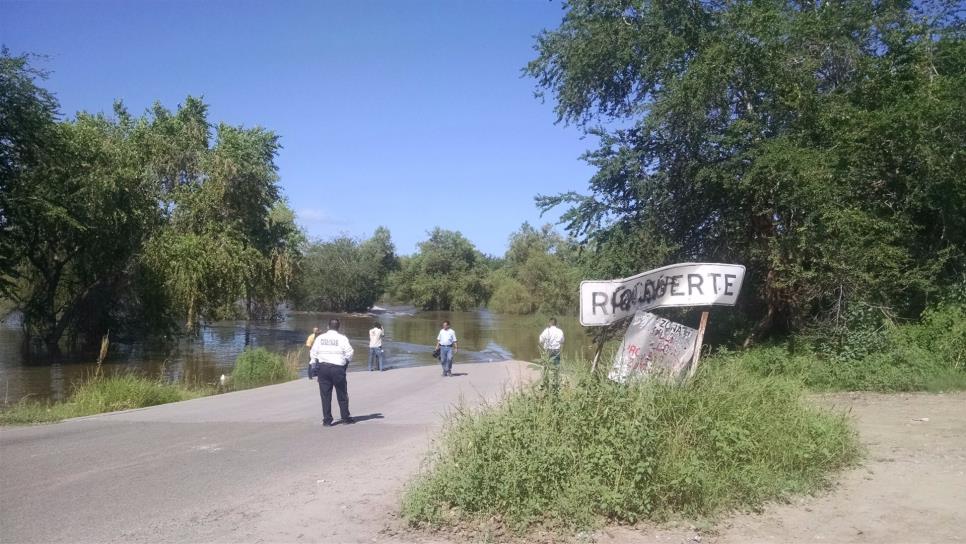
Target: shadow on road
<point>367,417</point>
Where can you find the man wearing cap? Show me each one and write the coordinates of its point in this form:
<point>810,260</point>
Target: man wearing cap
<point>333,352</point>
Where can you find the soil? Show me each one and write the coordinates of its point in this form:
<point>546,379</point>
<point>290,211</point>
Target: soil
<point>910,488</point>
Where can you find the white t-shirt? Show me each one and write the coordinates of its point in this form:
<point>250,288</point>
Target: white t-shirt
<point>551,338</point>
<point>375,337</point>
<point>332,348</point>
<point>446,337</point>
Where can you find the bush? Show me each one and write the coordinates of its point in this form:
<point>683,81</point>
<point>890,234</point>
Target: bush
<point>926,356</point>
<point>98,395</point>
<point>259,366</point>
<point>599,450</point>
<point>510,296</point>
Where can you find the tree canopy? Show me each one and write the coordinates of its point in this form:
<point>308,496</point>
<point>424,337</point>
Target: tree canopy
<point>540,273</point>
<point>120,222</point>
<point>821,144</point>
<point>345,274</point>
<point>447,273</point>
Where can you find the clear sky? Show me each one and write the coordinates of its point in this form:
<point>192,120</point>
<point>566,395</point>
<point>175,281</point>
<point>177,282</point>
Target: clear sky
<point>408,114</point>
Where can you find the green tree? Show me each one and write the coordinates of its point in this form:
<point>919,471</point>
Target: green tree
<point>345,274</point>
<point>76,209</point>
<point>818,143</point>
<point>125,222</point>
<point>227,235</point>
<point>447,273</point>
<point>540,274</point>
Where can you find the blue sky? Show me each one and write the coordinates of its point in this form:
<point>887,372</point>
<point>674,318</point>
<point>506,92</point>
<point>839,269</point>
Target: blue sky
<point>408,114</point>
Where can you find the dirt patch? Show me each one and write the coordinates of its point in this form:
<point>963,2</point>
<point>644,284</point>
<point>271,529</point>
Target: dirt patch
<point>910,488</point>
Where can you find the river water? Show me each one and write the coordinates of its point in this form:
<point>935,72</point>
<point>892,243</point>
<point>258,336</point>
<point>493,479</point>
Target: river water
<point>410,339</point>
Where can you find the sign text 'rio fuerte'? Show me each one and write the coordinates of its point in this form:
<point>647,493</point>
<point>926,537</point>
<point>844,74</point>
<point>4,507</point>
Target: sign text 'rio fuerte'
<point>685,284</point>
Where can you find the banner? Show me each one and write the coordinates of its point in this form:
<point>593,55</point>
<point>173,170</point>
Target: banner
<point>654,346</point>
<point>685,284</point>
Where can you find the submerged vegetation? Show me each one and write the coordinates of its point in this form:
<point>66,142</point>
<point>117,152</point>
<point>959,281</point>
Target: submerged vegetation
<point>595,450</point>
<point>255,367</point>
<point>110,393</point>
<point>102,394</point>
<point>131,223</point>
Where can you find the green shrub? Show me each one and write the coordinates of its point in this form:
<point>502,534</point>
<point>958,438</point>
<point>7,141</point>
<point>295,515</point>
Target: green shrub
<point>98,395</point>
<point>929,355</point>
<point>259,366</point>
<point>596,449</point>
<point>510,296</point>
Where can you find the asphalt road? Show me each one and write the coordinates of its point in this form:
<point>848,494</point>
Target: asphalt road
<point>250,466</point>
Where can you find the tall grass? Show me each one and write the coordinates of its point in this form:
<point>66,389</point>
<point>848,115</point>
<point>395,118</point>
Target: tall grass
<point>594,450</point>
<point>929,355</point>
<point>102,394</point>
<point>255,367</point>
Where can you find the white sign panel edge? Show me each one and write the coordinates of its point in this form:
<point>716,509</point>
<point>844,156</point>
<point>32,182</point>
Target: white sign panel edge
<point>648,299</point>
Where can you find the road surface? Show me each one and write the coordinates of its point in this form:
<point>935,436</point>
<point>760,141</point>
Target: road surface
<point>249,466</point>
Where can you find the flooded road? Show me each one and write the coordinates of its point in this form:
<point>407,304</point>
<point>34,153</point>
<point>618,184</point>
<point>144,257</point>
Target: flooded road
<point>410,338</point>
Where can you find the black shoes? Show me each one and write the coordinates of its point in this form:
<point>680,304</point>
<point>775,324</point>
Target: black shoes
<point>345,421</point>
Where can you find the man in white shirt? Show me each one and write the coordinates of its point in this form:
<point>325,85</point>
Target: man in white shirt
<point>446,343</point>
<point>551,340</point>
<point>333,352</point>
<point>376,335</point>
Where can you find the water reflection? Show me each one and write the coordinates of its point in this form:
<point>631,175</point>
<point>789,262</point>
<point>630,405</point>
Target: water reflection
<point>410,338</point>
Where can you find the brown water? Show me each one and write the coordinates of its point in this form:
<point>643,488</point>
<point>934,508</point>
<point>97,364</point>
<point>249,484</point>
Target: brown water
<point>410,339</point>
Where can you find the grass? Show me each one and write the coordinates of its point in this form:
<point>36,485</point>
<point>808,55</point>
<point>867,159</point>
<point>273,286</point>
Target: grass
<point>257,367</point>
<point>102,394</point>
<point>592,450</point>
<point>929,355</point>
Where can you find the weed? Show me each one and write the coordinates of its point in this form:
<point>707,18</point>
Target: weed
<point>594,450</point>
<point>259,366</point>
<point>101,394</point>
<point>929,355</point>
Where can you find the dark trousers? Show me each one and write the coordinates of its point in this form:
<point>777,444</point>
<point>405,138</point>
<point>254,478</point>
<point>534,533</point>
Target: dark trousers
<point>329,376</point>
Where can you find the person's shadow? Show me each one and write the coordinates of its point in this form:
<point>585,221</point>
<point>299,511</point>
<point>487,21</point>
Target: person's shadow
<point>359,419</point>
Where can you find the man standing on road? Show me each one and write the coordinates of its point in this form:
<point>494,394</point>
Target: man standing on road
<point>308,343</point>
<point>333,352</point>
<point>551,340</point>
<point>376,335</point>
<point>446,343</point>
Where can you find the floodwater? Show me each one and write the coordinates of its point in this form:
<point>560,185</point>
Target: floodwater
<point>410,339</point>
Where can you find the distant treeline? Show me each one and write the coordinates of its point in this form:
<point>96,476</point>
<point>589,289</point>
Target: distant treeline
<point>539,273</point>
<point>819,144</point>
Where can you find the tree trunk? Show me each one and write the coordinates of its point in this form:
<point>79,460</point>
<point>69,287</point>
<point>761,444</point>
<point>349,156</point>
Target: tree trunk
<point>190,324</point>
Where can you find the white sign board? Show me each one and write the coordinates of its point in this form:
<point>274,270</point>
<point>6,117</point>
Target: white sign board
<point>685,284</point>
<point>654,346</point>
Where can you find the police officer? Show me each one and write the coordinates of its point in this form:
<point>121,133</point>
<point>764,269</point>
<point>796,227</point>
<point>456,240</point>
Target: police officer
<point>333,352</point>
